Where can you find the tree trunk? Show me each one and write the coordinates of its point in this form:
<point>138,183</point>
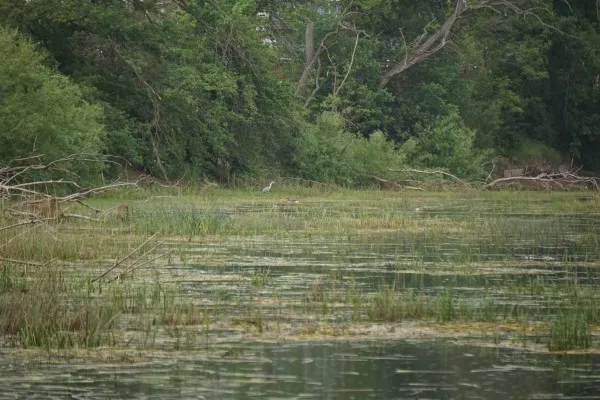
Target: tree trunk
<point>421,50</point>
<point>310,57</point>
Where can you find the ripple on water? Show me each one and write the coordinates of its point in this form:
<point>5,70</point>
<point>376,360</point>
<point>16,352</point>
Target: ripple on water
<point>340,370</point>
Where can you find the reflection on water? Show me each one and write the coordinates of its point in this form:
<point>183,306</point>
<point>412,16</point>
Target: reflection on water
<point>335,370</point>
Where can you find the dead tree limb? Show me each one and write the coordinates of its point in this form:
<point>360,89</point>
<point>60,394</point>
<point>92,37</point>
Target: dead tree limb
<point>9,241</point>
<point>22,262</point>
<point>133,267</point>
<point>383,181</point>
<point>96,190</point>
<point>119,262</point>
<point>88,206</point>
<point>423,48</point>
<point>558,179</point>
<point>77,216</point>
<point>30,222</point>
<point>308,68</point>
<point>26,206</point>
<point>432,172</point>
<point>337,89</point>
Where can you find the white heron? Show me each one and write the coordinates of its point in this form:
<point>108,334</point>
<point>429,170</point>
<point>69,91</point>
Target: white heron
<point>267,189</point>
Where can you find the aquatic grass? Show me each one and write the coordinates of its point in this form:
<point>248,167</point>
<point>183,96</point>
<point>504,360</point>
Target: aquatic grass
<point>260,277</point>
<point>47,314</point>
<point>426,258</point>
<point>356,307</point>
<point>56,310</point>
<point>181,314</point>
<point>180,220</point>
<point>63,242</point>
<point>489,312</point>
<point>444,307</point>
<point>11,280</point>
<point>569,332</point>
<point>387,304</point>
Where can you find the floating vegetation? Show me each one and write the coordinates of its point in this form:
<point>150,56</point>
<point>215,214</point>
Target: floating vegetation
<point>182,272</point>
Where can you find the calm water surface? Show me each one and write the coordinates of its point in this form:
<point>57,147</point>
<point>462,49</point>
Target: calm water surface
<point>338,370</point>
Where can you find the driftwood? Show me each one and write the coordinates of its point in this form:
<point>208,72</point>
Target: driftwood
<point>35,263</point>
<point>561,180</point>
<point>306,180</point>
<point>26,204</point>
<point>119,262</point>
<point>432,172</point>
<point>36,205</point>
<point>134,267</point>
<point>135,264</point>
<point>390,184</point>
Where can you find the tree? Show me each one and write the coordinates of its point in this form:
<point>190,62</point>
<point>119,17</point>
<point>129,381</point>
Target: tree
<point>42,111</point>
<point>188,86</point>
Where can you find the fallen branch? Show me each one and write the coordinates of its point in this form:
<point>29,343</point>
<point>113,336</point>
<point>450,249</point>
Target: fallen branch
<point>88,206</point>
<point>42,183</point>
<point>81,217</point>
<point>383,181</point>
<point>119,262</point>
<point>130,270</point>
<point>23,262</point>
<point>158,197</point>
<point>558,179</point>
<point>33,221</point>
<point>9,241</point>
<point>143,255</point>
<point>306,180</point>
<point>95,190</point>
<point>432,172</point>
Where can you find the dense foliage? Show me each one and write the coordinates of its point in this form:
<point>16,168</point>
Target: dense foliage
<point>326,90</point>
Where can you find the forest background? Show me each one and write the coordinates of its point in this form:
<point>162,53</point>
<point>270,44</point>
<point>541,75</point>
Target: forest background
<point>331,91</point>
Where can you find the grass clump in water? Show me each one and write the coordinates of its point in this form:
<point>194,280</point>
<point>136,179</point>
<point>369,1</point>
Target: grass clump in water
<point>182,219</point>
<point>570,332</point>
<point>444,305</point>
<point>46,313</point>
<point>52,310</point>
<point>391,306</point>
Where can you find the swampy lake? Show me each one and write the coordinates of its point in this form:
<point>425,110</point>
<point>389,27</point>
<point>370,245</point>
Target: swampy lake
<point>305,293</point>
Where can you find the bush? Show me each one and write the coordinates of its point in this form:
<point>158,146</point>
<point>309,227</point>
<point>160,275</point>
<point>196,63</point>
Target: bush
<point>447,145</point>
<point>534,152</point>
<point>326,152</point>
<point>42,111</point>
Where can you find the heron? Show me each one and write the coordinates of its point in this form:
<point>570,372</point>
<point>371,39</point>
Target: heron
<point>267,189</point>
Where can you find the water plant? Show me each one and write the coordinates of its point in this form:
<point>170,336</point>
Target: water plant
<point>570,331</point>
<point>341,258</point>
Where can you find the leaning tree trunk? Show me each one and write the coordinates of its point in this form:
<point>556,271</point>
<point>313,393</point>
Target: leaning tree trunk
<point>421,50</point>
<point>310,58</point>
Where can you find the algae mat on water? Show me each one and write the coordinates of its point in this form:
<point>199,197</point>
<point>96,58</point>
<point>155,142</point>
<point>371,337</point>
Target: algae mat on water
<point>501,268</point>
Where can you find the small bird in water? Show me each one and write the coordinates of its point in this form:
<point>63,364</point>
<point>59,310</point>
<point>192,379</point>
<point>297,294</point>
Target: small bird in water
<point>267,189</point>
